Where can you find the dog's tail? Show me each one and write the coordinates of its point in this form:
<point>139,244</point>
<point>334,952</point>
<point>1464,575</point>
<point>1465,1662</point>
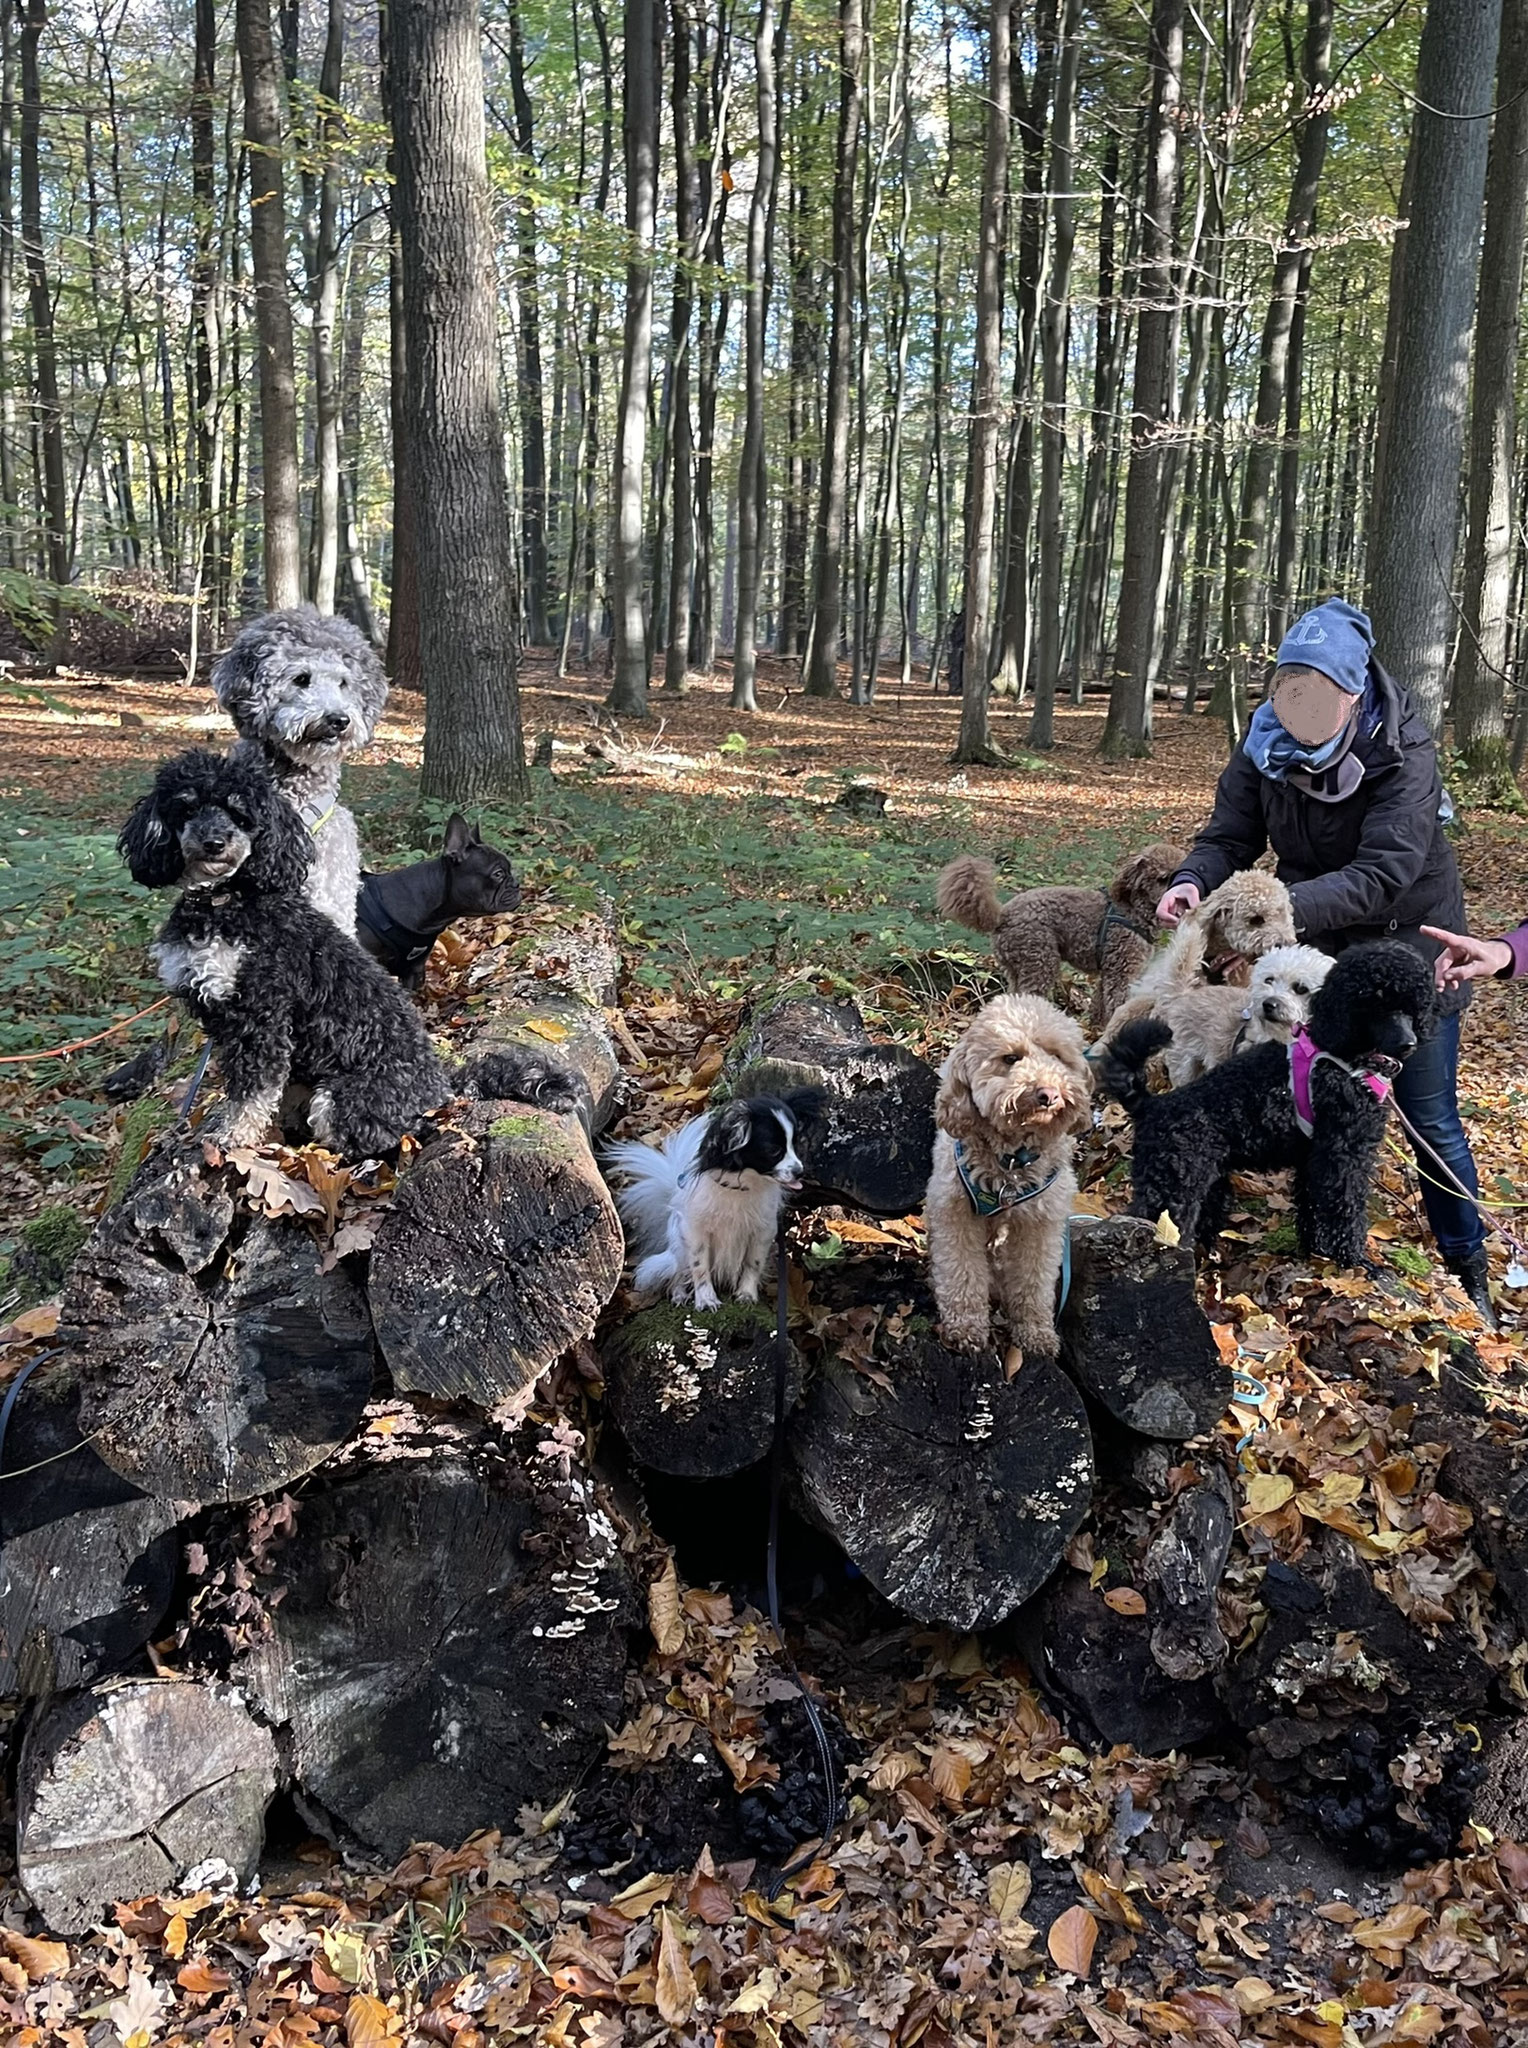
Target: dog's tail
<point>510,1074</point>
<point>1120,1068</point>
<point>656,1178</point>
<point>967,893</point>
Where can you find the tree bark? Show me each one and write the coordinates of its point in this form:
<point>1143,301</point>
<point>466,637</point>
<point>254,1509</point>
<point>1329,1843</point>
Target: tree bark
<point>472,745</point>
<point>1415,524</point>
<point>975,742</point>
<point>753,473</point>
<point>822,671</point>
<point>1133,1335</point>
<point>273,311</point>
<point>1127,729</point>
<point>404,663</point>
<point>48,414</point>
<point>1481,665</point>
<point>628,693</point>
<point>324,552</point>
<point>688,224</point>
<point>533,507</point>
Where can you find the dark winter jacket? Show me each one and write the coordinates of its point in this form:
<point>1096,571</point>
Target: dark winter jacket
<point>1375,865</point>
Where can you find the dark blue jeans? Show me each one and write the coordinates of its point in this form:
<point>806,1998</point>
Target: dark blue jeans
<point>1427,1092</point>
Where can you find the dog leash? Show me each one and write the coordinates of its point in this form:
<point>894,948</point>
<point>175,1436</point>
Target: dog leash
<point>1454,1186</point>
<point>772,1552</point>
<point>58,1052</point>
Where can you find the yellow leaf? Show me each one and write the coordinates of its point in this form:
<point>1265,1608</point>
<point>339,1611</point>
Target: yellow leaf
<point>1125,1600</point>
<point>1254,1995</point>
<point>368,2023</point>
<point>175,1938</point>
<point>1268,1491</point>
<point>1167,1233</point>
<point>1008,1889</point>
<point>1072,1939</point>
<point>41,1321</point>
<point>639,1899</point>
<point>663,1615</point>
<point>1112,1901</point>
<point>549,1029</point>
<point>345,1953</point>
<point>201,1979</point>
<point>1340,1489</point>
<point>862,1233</point>
<point>950,1774</point>
<point>676,1991</point>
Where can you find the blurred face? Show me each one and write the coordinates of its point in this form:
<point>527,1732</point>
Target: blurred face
<point>1310,706</point>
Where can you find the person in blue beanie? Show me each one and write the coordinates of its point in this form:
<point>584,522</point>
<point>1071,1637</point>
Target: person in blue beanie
<point>1338,774</point>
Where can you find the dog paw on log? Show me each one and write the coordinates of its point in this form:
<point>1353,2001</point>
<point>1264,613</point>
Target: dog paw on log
<point>124,1788</point>
<point>500,1248</point>
<point>1133,1335</point>
<point>87,1562</point>
<point>216,1360</point>
<point>873,1147</point>
<point>445,1633</point>
<point>952,1488</point>
<point>693,1390</point>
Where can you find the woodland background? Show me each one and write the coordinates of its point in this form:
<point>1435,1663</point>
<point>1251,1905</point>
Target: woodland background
<point>1062,343</point>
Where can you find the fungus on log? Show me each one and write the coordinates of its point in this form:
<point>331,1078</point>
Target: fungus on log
<point>87,1562</point>
<point>693,1390</point>
<point>124,1788</point>
<point>216,1360</point>
<point>445,1634</point>
<point>1133,1335</point>
<point>954,1490</point>
<point>874,1147</point>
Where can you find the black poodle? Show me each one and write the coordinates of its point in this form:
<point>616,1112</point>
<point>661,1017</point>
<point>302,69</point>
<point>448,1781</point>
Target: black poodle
<point>281,991</point>
<point>1369,1016</point>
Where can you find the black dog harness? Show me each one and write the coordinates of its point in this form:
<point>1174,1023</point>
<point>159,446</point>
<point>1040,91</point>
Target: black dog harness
<point>1114,916</point>
<point>400,947</point>
<point>988,1199</point>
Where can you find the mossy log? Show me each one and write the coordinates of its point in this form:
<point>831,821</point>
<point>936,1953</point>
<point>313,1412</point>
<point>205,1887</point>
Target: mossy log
<point>874,1147</point>
<point>124,1788</point>
<point>215,1359</point>
<point>954,1490</point>
<point>499,1250</point>
<point>693,1391</point>
<point>87,1562</point>
<point>444,1635</point>
<point>555,996</point>
<point>1133,1335</point>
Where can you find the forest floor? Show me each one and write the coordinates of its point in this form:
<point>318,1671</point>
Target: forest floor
<point>1000,1879</point>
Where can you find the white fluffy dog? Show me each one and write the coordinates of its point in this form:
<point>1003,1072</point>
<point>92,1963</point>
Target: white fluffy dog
<point>305,691</point>
<point>1210,1024</point>
<point>702,1208</point>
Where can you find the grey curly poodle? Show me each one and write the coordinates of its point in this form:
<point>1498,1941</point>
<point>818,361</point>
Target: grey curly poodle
<point>305,691</point>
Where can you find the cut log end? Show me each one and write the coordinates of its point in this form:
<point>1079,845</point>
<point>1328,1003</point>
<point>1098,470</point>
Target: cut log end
<point>1133,1334</point>
<point>693,1391</point>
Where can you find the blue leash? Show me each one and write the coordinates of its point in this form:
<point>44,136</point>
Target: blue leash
<point>8,1405</point>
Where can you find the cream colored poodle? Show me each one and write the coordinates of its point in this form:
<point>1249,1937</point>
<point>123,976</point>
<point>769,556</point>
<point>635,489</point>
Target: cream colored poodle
<point>1210,1023</point>
<point>1247,916</point>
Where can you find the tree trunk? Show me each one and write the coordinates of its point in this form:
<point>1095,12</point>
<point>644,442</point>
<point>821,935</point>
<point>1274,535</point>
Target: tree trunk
<point>533,508</point>
<point>324,551</point>
<point>1127,729</point>
<point>975,742</point>
<point>1415,522</point>
<point>1287,560</point>
<point>472,746</point>
<point>1249,591</point>
<point>1092,566</point>
<point>12,554</point>
<point>1481,666</point>
<point>49,416</point>
<point>205,349</point>
<point>628,693</point>
<point>713,154</point>
<point>688,224</point>
<point>753,473</point>
<point>693,1391</point>
<point>404,663</point>
<point>822,672</point>
<point>1053,332</point>
<point>273,311</point>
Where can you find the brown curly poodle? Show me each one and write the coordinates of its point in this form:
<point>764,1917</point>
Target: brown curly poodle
<point>1012,1096</point>
<point>1107,932</point>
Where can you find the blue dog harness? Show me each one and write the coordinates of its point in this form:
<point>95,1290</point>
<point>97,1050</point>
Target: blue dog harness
<point>990,1201</point>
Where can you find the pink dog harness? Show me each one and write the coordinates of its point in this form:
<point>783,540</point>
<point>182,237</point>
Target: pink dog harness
<point>1303,1055</point>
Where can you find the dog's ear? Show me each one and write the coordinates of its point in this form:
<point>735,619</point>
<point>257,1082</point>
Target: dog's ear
<point>458,838</point>
<point>150,848</point>
<point>955,1107</point>
<point>282,849</point>
<point>807,1106</point>
<point>727,1134</point>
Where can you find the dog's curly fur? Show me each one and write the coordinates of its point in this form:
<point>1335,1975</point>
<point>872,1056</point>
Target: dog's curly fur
<point>1017,1079</point>
<point>305,691</point>
<point>1035,931</point>
<point>284,996</point>
<point>1377,1002</point>
<point>1247,916</point>
<point>1210,1023</point>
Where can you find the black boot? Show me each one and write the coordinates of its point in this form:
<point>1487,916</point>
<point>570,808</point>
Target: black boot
<point>1472,1275</point>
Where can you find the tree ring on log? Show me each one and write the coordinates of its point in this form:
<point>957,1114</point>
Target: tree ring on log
<point>126,1787</point>
<point>693,1390</point>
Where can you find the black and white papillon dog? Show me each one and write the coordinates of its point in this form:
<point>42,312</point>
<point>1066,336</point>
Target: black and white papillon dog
<point>701,1209</point>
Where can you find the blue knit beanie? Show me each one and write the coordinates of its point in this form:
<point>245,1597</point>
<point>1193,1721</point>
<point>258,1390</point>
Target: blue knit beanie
<point>1335,638</point>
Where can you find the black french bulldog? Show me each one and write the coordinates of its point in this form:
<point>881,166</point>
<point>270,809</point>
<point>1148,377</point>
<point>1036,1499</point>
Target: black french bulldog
<point>400,915</point>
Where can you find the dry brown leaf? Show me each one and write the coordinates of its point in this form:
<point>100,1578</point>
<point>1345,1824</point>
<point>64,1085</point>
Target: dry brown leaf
<point>663,1615</point>
<point>368,2023</point>
<point>950,1775</point>
<point>1266,1491</point>
<point>1113,1901</point>
<point>1008,1889</point>
<point>38,1959</point>
<point>639,1899</point>
<point>1072,1939</point>
<point>175,1937</point>
<point>1125,1600</point>
<point>201,1979</point>
<point>676,1991</point>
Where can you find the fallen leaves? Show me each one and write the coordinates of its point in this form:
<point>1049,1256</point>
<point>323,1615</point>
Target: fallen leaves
<point>675,1989</point>
<point>1072,1938</point>
<point>663,1613</point>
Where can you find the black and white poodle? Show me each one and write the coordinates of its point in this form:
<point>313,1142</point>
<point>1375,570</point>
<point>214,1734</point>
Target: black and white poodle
<point>284,995</point>
<point>305,691</point>
<point>1317,1105</point>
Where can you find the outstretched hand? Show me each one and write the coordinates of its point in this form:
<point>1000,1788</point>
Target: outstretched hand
<point>1464,958</point>
<point>1180,899</point>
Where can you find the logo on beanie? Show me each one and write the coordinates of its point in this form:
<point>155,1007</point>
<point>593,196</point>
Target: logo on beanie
<point>1308,632</point>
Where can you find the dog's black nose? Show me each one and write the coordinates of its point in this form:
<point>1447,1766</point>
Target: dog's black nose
<point>211,846</point>
<point>333,723</point>
<point>1270,1009</point>
<point>1407,1040</point>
